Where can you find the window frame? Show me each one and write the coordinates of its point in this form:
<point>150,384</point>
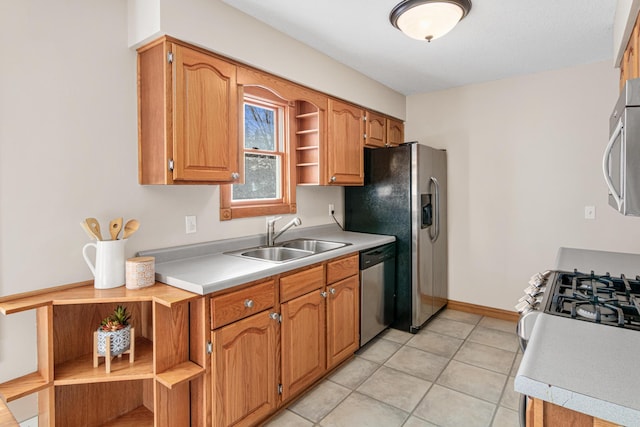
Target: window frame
<point>230,209</point>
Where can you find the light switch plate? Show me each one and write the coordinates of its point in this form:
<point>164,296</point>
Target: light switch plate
<point>190,224</point>
<point>589,212</point>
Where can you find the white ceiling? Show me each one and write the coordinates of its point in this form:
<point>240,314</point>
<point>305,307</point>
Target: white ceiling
<point>498,39</point>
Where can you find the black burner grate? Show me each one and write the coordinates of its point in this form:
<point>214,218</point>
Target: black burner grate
<point>602,299</point>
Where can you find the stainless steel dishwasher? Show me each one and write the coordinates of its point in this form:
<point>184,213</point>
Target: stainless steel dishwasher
<point>377,290</point>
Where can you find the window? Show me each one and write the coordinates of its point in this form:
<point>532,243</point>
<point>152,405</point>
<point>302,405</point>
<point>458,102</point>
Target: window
<point>265,135</point>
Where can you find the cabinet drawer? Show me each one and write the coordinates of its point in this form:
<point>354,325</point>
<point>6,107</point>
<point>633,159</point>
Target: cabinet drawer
<point>339,269</point>
<point>236,305</point>
<point>300,283</point>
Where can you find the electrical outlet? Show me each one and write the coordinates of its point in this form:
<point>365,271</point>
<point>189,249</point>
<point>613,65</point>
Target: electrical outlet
<point>331,209</point>
<point>589,212</point>
<point>190,224</point>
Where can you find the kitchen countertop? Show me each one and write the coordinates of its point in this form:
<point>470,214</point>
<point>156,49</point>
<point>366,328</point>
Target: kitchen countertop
<point>204,268</point>
<point>583,366</point>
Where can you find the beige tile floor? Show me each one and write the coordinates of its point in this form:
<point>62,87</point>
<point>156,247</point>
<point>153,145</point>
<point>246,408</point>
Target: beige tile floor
<point>458,371</point>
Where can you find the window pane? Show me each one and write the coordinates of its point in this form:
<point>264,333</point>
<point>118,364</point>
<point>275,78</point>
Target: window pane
<point>262,177</point>
<point>259,128</point>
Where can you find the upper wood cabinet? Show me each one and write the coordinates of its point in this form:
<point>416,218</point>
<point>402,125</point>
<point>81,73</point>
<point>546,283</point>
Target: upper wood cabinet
<point>395,132</point>
<point>188,115</point>
<point>345,144</point>
<point>375,132</point>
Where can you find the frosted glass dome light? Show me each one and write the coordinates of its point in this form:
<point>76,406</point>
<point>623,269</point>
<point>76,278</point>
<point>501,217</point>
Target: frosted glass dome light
<point>428,19</point>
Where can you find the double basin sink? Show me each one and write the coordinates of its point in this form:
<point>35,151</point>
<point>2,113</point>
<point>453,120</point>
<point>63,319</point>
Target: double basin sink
<point>288,251</point>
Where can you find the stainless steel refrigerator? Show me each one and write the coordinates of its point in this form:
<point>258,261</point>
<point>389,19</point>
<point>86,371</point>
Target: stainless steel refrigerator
<point>405,195</point>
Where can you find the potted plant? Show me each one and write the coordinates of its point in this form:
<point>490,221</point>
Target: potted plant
<point>116,327</point>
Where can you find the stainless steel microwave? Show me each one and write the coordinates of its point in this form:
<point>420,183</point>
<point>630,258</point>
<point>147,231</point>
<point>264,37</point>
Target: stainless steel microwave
<point>621,162</point>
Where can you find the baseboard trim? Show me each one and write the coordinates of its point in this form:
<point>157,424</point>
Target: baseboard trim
<point>497,313</point>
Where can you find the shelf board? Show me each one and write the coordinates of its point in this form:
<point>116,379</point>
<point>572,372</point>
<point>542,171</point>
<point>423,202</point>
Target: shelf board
<point>307,147</point>
<point>305,115</point>
<point>178,374</point>
<point>306,131</point>
<point>81,370</point>
<point>23,386</point>
<point>307,164</point>
<point>86,293</point>
<point>306,184</point>
<point>139,417</point>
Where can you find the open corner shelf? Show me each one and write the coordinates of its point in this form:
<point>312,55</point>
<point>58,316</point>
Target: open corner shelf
<point>165,320</point>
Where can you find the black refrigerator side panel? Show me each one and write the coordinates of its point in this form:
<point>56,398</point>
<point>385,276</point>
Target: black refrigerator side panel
<point>383,206</point>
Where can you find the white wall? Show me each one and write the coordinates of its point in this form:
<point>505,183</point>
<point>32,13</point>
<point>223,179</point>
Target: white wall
<point>524,158</point>
<point>214,25</point>
<point>68,148</point>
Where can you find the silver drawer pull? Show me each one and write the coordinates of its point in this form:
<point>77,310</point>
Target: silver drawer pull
<point>248,303</point>
<point>333,291</point>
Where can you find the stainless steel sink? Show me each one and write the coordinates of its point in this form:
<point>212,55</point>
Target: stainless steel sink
<point>289,250</point>
<point>272,253</point>
<point>312,245</point>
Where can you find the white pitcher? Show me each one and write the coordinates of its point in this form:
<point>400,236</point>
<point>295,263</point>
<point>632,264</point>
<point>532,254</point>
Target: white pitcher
<point>109,268</point>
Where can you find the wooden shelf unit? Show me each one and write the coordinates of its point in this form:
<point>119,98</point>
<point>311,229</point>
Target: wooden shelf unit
<point>168,372</point>
<point>308,125</point>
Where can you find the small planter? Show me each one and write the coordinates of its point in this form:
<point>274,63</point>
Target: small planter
<point>120,341</point>
<point>110,344</point>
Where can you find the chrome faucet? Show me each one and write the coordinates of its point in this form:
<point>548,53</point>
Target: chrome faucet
<point>271,228</point>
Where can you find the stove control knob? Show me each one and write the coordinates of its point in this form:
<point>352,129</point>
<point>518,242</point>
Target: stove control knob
<point>522,306</point>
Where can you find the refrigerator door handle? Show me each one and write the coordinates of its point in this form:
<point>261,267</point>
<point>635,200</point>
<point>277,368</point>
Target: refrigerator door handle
<point>436,211</point>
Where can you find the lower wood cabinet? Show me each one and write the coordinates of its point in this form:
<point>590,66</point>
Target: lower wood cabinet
<point>245,386</point>
<point>546,414</point>
<point>343,322</point>
<point>308,326</point>
<point>303,342</point>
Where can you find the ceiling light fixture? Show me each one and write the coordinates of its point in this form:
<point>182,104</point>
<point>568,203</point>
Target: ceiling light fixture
<point>428,19</point>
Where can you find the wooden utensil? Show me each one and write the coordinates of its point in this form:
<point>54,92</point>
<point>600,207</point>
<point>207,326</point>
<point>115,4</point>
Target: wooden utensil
<point>94,226</point>
<point>114,228</point>
<point>88,229</point>
<point>130,227</point>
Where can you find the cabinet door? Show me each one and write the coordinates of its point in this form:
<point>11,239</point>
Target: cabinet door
<point>245,388</point>
<point>376,132</point>
<point>345,142</point>
<point>395,132</point>
<point>205,109</point>
<point>343,326</point>
<point>303,342</point>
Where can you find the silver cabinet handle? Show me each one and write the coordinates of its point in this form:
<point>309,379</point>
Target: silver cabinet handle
<point>333,179</point>
<point>274,316</point>
<point>323,294</point>
<point>235,175</point>
<point>248,303</point>
<point>333,291</point>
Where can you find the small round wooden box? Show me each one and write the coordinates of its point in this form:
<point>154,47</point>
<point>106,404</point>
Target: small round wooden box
<point>140,272</point>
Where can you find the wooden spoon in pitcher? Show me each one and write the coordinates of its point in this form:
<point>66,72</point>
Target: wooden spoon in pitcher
<point>114,228</point>
<point>94,226</point>
<point>130,227</point>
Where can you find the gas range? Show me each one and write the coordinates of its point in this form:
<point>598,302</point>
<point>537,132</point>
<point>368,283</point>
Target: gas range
<point>605,299</point>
